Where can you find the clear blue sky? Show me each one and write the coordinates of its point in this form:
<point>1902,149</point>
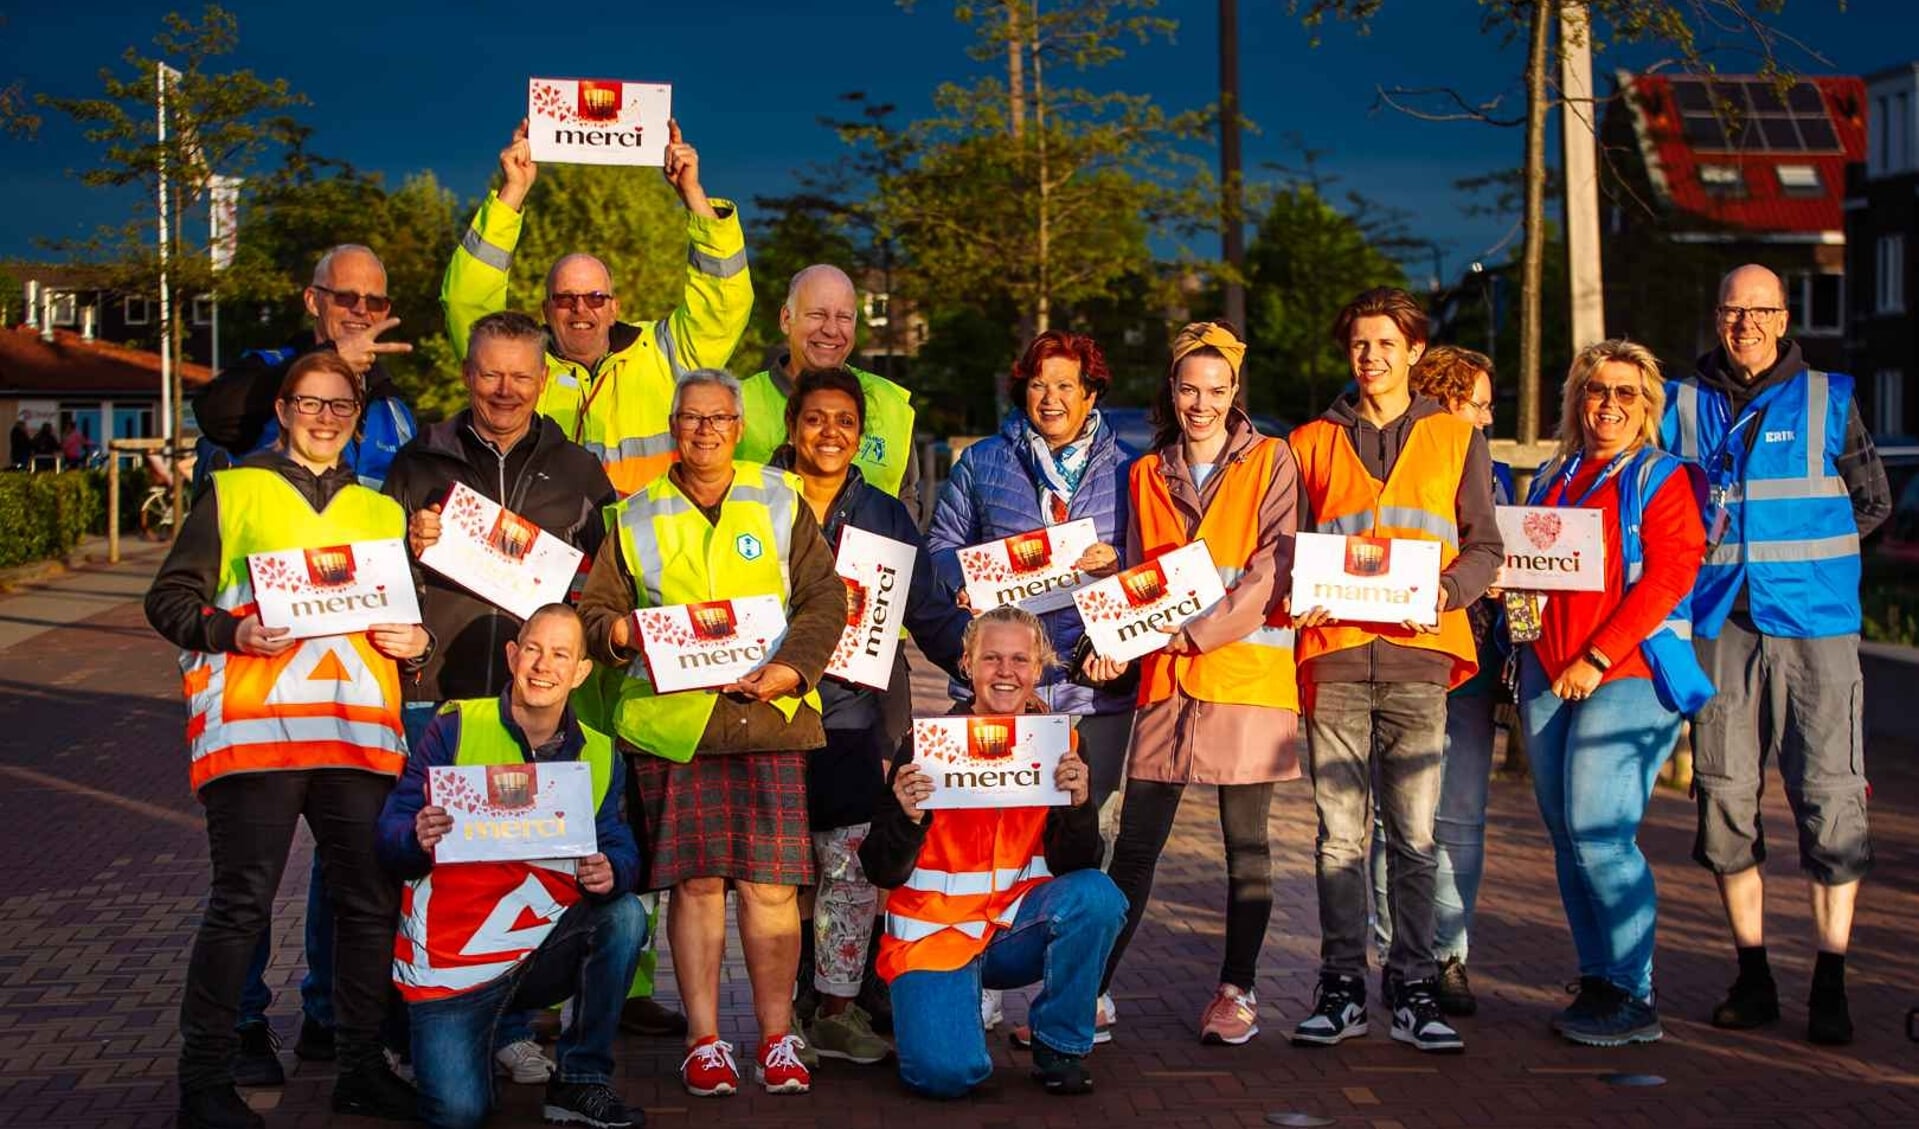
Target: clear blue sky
<point>403,86</point>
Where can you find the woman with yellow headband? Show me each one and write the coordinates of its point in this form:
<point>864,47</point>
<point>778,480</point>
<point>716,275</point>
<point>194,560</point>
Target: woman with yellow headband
<point>1218,705</point>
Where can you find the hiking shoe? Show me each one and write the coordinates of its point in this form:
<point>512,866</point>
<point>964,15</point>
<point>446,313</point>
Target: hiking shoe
<point>1060,1074</point>
<point>1105,1015</point>
<point>588,1103</point>
<point>369,1088</point>
<point>315,1043</point>
<point>1590,994</point>
<point>644,1015</point>
<point>1232,1017</point>
<point>1752,1001</point>
<point>257,1062</point>
<point>1453,991</point>
<point>1828,1017</point>
<point>708,1071</point>
<point>523,1062</point>
<point>1615,1020</point>
<point>1339,1012</point>
<point>876,999</point>
<point>1418,1022</point>
<point>781,1070</point>
<point>216,1107</point>
<point>849,1036</point>
<point>809,1054</point>
<point>992,1011</point>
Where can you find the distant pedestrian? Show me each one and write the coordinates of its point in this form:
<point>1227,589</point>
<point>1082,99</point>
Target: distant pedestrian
<point>19,444</point>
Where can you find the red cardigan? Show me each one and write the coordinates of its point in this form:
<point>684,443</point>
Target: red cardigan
<point>1613,621</point>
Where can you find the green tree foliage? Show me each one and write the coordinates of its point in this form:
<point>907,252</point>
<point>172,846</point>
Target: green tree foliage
<point>791,233</point>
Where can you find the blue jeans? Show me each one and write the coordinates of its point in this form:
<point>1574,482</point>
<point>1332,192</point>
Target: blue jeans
<point>1459,830</point>
<point>1061,937</point>
<point>1594,764</point>
<point>588,956</point>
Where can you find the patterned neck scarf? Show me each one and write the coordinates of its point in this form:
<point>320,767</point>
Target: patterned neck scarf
<point>1061,470</point>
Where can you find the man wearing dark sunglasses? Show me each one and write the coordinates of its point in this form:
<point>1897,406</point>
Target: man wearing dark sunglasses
<point>611,381</point>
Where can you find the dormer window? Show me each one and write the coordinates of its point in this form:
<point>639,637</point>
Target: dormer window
<point>1724,181</point>
<point>1800,180</point>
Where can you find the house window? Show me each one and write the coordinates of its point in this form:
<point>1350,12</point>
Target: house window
<point>65,308</point>
<point>203,311</point>
<point>137,311</point>
<point>1800,180</point>
<point>1889,274</point>
<point>1818,303</point>
<point>876,308</point>
<point>1888,401</point>
<point>1724,181</point>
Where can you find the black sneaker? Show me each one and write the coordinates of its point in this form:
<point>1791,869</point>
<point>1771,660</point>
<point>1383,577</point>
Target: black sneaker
<point>1615,1020</point>
<point>216,1107</point>
<point>315,1043</point>
<point>588,1103</point>
<point>1453,991</point>
<point>1339,1012</point>
<point>1060,1074</point>
<point>1418,1023</point>
<point>644,1015</point>
<point>257,1062</point>
<point>367,1087</point>
<point>1589,993</point>
<point>1828,1018</point>
<point>1750,1002</point>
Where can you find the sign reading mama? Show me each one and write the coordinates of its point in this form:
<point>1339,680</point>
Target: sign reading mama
<point>334,589</point>
<point>1033,569</point>
<point>1130,614</point>
<point>514,812</point>
<point>878,572</point>
<point>706,646</point>
<point>1552,549</point>
<point>994,761</point>
<point>1367,579</point>
<point>595,121</point>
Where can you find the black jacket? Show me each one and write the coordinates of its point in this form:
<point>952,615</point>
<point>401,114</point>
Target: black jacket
<point>892,847</point>
<point>180,603</point>
<point>233,409</point>
<point>547,479</point>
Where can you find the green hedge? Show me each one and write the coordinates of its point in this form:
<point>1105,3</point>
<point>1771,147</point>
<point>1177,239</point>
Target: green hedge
<point>45,515</point>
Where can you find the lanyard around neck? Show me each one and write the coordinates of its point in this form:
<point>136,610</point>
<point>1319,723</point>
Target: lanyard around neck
<point>1618,463</point>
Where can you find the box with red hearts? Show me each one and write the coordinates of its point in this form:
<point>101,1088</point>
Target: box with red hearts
<point>706,646</point>
<point>1032,569</point>
<point>500,556</point>
<point>1131,613</point>
<point>992,761</point>
<point>598,121</point>
<point>878,571</point>
<point>334,589</point>
<point>1552,549</point>
<point>1366,579</point>
<point>514,812</point>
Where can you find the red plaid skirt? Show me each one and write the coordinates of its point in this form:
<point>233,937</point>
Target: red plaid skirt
<point>725,815</point>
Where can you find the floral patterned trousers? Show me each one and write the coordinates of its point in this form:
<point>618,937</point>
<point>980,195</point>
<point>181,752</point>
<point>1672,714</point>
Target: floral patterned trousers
<point>844,910</point>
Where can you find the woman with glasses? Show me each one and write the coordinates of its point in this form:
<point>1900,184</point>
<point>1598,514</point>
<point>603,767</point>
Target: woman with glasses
<point>1603,689</point>
<point>282,729</point>
<point>718,782</point>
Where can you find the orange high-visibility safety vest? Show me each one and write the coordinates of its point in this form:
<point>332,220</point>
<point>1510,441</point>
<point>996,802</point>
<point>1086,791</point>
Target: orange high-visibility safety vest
<point>1415,503</point>
<point>974,869</point>
<point>1258,669</point>
<point>330,702</point>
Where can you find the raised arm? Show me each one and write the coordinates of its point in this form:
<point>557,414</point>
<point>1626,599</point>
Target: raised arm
<point>475,282</point>
<point>705,328</point>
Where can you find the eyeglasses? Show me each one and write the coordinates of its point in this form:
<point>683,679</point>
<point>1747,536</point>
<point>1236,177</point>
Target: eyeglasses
<point>348,299</point>
<point>592,299</point>
<point>1483,407</point>
<point>313,405</point>
<point>1625,395</point>
<point>694,422</point>
<point>1731,315</point>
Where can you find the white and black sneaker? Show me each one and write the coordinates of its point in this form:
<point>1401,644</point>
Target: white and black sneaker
<point>1417,1020</point>
<point>1339,1012</point>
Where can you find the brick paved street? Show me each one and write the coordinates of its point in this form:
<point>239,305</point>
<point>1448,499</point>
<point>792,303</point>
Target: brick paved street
<point>105,870</point>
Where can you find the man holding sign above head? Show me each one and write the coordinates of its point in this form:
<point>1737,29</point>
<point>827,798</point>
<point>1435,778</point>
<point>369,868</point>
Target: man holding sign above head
<point>611,381</point>
<point>515,928</point>
<point>1219,703</point>
<point>1394,474</point>
<point>891,581</point>
<point>283,726</point>
<point>719,773</point>
<point>993,896</point>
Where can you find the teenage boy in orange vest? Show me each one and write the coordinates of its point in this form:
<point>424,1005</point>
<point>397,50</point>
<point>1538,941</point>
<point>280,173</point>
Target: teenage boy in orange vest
<point>993,897</point>
<point>1385,462</point>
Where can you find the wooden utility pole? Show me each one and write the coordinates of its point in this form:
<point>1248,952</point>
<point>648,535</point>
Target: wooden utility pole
<point>1533,259</point>
<point>1232,216</point>
<point>1578,118</point>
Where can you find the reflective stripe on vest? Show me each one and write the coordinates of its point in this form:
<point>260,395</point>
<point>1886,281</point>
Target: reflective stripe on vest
<point>971,875</point>
<point>467,924</point>
<point>962,883</point>
<point>910,929</point>
<point>1404,517</point>
<point>329,702</point>
<point>618,410</point>
<point>677,556</point>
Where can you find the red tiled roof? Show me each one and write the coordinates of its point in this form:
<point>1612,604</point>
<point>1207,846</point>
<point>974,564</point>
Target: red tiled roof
<point>1674,158</point>
<point>71,366</point>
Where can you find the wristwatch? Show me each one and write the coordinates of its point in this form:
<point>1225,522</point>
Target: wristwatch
<point>1602,662</point>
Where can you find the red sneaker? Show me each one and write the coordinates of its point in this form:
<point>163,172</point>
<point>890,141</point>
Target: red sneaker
<point>781,1070</point>
<point>709,1070</point>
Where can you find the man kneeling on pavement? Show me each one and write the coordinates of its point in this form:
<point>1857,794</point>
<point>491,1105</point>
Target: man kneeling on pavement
<point>992,897</point>
<point>479,939</point>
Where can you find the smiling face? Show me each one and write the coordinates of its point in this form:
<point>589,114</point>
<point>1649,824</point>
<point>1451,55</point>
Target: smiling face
<point>503,377</point>
<point>548,661</point>
<point>1477,411</point>
<point>1057,402</point>
<point>1203,391</point>
<point>582,334</point>
<point>1613,414</point>
<point>350,271</point>
<point>819,320</point>
<point>707,427</point>
<point>317,440</point>
<point>825,434</point>
<point>1381,357</point>
<point>1003,664</point>
<point>1751,318</point>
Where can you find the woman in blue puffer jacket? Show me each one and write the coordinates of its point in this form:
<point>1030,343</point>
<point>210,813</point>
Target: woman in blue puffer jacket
<point>1053,461</point>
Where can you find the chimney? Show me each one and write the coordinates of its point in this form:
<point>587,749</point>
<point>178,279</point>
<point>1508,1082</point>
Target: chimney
<point>88,317</point>
<point>33,303</point>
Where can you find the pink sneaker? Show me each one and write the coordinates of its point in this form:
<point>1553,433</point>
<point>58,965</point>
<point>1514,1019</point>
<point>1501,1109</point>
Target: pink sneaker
<point>1231,1018</point>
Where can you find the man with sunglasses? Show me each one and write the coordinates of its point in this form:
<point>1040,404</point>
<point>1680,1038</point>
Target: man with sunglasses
<point>350,309</point>
<point>1794,483</point>
<point>612,381</point>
